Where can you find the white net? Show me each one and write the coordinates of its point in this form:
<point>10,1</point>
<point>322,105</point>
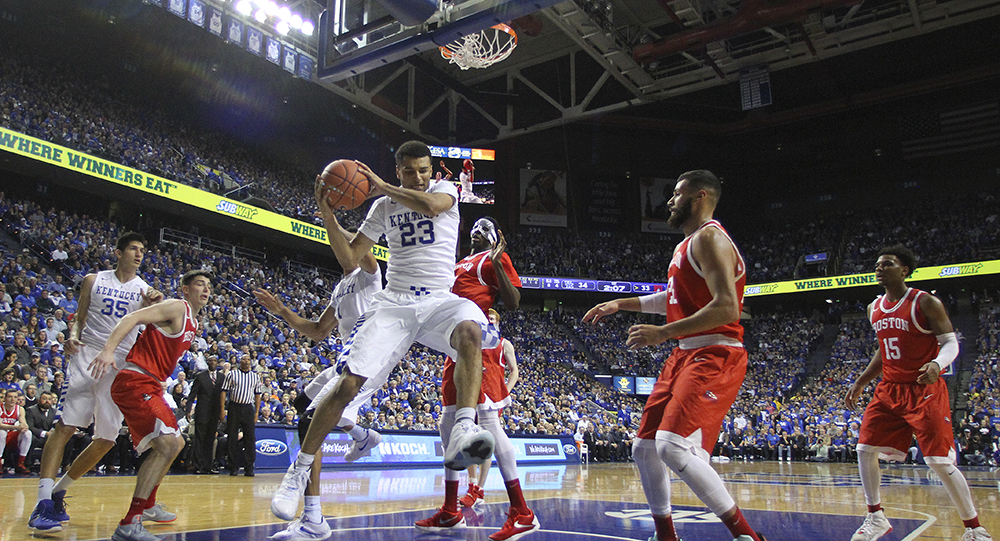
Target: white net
<point>481,49</point>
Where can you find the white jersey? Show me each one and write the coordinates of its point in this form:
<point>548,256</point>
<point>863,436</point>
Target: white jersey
<point>352,296</point>
<point>421,249</point>
<point>110,301</point>
<point>465,179</point>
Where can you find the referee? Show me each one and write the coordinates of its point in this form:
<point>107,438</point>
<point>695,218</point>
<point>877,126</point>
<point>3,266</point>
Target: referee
<point>242,388</point>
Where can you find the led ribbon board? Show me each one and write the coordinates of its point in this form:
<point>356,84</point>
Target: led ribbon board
<point>73,160</point>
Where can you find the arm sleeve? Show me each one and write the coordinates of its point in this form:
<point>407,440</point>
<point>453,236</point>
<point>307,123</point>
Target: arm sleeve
<point>947,351</point>
<point>655,303</point>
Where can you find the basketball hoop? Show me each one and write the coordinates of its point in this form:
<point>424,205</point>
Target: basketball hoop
<point>481,49</point>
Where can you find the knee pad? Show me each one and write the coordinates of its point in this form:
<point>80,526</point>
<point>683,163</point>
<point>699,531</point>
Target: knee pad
<point>304,421</point>
<point>445,426</point>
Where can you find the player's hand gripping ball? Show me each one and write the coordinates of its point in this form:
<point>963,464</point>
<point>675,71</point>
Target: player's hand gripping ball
<point>346,187</point>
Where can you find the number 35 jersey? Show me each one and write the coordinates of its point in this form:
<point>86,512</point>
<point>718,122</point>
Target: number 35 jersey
<point>904,336</point>
<point>110,301</point>
<point>421,248</point>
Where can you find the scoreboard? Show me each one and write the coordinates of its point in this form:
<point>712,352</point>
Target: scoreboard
<point>601,286</point>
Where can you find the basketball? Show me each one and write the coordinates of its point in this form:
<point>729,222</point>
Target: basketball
<point>348,187</point>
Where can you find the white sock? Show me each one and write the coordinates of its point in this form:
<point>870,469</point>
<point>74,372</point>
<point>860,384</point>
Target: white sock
<point>303,462</point>
<point>465,415</point>
<point>871,476</point>
<point>45,489</point>
<point>64,482</point>
<point>956,485</point>
<point>358,433</point>
<point>312,511</point>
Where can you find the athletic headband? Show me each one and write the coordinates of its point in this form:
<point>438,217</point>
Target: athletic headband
<point>486,227</point>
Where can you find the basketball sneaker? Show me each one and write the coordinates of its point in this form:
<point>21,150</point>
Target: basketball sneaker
<point>473,497</point>
<point>976,534</point>
<point>469,444</point>
<point>158,513</point>
<point>133,531</point>
<point>43,518</point>
<point>363,447</point>
<point>59,506</point>
<point>301,529</point>
<point>748,538</point>
<point>442,521</point>
<point>874,526</point>
<point>285,502</point>
<point>519,524</point>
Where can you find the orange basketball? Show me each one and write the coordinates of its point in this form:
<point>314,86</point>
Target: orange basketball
<point>348,187</point>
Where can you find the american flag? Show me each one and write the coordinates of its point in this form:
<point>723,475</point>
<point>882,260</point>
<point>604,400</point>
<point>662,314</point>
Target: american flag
<point>959,130</point>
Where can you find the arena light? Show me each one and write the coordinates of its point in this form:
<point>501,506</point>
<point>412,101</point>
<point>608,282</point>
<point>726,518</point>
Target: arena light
<point>284,13</point>
<point>295,21</point>
<point>307,28</point>
<point>282,28</point>
<point>261,16</point>
<point>244,7</point>
<point>271,8</point>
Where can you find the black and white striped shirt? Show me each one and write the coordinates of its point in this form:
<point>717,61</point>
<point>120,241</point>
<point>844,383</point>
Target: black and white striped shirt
<point>241,387</point>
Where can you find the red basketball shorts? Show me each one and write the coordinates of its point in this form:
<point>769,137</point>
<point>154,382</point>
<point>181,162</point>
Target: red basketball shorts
<point>694,392</point>
<point>140,397</point>
<point>448,390</point>
<point>899,411</point>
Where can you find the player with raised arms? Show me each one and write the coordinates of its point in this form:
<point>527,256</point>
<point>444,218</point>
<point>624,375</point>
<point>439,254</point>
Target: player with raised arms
<point>702,376</point>
<point>420,221</point>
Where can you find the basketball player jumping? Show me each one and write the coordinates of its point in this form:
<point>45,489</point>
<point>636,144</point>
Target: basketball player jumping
<point>465,178</point>
<point>351,297</point>
<point>137,389</point>
<point>112,295</point>
<point>481,277</point>
<point>702,376</point>
<point>420,221</point>
<point>915,343</point>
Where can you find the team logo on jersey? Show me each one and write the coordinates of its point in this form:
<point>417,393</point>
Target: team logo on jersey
<point>189,336</point>
<point>146,397</point>
<point>710,396</point>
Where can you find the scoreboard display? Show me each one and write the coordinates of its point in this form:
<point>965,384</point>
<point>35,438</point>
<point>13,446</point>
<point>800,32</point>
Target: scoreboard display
<point>602,286</point>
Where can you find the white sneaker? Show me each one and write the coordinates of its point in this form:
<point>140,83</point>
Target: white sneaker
<point>976,534</point>
<point>874,526</point>
<point>285,502</point>
<point>133,532</point>
<point>469,444</point>
<point>363,447</point>
<point>158,513</point>
<point>302,530</point>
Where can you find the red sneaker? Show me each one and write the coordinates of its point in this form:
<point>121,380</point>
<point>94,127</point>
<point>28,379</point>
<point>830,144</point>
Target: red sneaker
<point>441,521</point>
<point>517,526</point>
<point>474,496</point>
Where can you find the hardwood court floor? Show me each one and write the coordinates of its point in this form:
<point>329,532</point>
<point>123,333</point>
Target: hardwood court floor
<point>797,501</point>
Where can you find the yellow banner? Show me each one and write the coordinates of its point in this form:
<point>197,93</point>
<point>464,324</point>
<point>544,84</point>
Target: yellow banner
<point>854,280</point>
<point>80,162</point>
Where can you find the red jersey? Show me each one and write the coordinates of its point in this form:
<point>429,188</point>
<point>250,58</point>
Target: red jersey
<point>10,417</point>
<point>476,279</point>
<point>157,352</point>
<point>494,375</point>
<point>904,336</point>
<point>687,291</point>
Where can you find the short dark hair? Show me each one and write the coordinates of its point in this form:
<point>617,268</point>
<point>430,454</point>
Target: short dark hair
<point>128,238</point>
<point>904,254</point>
<point>703,179</point>
<point>190,275</point>
<point>412,149</point>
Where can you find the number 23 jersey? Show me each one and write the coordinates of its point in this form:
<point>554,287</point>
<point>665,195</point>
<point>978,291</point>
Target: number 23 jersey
<point>421,248</point>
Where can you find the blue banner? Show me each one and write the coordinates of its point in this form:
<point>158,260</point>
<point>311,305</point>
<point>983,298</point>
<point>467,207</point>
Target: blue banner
<point>288,60</point>
<point>273,50</point>
<point>235,34</point>
<point>215,22</point>
<point>625,384</point>
<point>177,7</point>
<point>644,385</point>
<point>196,12</point>
<point>277,444</point>
<point>305,67</point>
<point>255,41</point>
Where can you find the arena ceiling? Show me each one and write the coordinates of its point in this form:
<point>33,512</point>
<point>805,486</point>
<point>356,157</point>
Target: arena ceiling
<point>675,65</point>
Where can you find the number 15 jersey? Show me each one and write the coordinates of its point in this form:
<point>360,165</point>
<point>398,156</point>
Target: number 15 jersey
<point>904,335</point>
<point>421,248</point>
<point>110,301</point>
